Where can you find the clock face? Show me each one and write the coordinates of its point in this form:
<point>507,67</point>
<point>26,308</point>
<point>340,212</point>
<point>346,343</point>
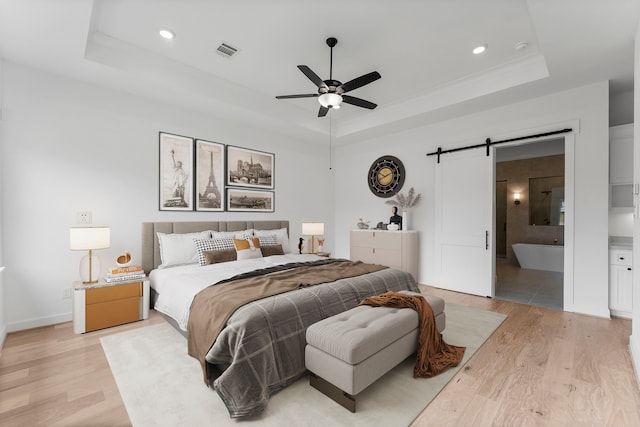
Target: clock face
<point>386,176</point>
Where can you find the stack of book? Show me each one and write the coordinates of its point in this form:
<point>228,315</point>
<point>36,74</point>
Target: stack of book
<point>124,274</point>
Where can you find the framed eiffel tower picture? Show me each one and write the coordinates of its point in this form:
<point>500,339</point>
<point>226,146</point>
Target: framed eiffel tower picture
<point>209,176</point>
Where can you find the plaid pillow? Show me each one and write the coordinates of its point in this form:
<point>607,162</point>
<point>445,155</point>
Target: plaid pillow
<point>203,245</point>
<point>269,240</point>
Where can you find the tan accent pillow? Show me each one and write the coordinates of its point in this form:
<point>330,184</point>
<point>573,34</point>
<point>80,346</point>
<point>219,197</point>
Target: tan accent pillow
<point>247,249</point>
<point>272,250</point>
<point>220,255</point>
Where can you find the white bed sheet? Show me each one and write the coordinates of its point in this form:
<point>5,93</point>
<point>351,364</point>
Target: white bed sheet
<point>177,286</point>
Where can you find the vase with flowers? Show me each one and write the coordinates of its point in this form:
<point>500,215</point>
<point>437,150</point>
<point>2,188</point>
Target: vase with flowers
<point>405,203</point>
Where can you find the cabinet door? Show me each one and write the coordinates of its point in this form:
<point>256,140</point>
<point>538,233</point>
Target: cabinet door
<point>621,288</point>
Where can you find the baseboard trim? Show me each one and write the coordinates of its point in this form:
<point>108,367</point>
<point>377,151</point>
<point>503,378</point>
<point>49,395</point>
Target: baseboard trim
<point>634,348</point>
<point>39,322</point>
<point>3,335</point>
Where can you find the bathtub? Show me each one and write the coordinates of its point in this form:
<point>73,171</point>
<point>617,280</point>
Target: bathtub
<point>540,257</point>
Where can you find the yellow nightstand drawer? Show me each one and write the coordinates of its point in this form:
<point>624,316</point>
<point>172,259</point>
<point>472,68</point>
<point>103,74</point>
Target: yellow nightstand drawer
<point>114,292</point>
<point>110,313</point>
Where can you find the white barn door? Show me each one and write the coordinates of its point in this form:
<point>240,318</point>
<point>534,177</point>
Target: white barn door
<point>464,247</point>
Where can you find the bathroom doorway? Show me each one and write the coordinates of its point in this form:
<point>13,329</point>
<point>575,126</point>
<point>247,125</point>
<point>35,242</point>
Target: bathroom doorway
<point>501,219</point>
<point>529,214</point>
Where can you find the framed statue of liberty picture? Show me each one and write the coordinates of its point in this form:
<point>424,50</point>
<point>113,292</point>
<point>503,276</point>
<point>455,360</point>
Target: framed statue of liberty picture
<point>176,172</point>
<point>209,176</point>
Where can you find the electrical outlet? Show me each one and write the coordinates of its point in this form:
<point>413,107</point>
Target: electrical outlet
<point>84,218</point>
<point>66,293</point>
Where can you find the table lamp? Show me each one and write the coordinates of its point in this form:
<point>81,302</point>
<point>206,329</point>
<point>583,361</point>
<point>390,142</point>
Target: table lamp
<point>89,238</point>
<point>313,229</point>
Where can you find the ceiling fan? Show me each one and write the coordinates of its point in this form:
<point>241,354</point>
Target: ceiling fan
<point>331,93</point>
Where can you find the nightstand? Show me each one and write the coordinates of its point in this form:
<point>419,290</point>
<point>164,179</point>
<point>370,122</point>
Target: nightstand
<point>102,305</point>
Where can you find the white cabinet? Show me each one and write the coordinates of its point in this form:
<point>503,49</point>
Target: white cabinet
<point>395,249</point>
<point>620,282</point>
<point>621,166</point>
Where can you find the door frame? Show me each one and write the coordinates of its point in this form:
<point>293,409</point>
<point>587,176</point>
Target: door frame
<point>569,213</point>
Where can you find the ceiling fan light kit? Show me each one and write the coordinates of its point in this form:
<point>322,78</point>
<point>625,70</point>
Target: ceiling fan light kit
<point>330,100</point>
<point>331,92</point>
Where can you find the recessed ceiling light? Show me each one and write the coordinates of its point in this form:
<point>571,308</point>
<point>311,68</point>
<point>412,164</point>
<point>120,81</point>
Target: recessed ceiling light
<point>479,49</point>
<point>166,33</point>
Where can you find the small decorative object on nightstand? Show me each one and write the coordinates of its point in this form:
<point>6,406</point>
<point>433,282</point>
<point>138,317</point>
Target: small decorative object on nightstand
<point>312,229</point>
<point>324,254</point>
<point>102,304</point>
<point>124,260</point>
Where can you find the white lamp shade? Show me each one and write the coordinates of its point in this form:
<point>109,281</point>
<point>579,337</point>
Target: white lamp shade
<point>330,100</point>
<point>313,228</point>
<point>85,238</point>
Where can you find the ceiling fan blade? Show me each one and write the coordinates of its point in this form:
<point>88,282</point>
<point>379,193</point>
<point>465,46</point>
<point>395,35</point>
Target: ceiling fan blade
<point>322,111</point>
<point>306,95</point>
<point>312,76</point>
<point>360,81</point>
<point>358,102</point>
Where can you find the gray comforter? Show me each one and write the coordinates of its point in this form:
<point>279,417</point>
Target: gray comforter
<point>261,350</point>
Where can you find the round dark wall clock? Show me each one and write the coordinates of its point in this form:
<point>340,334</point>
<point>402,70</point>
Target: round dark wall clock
<point>386,176</point>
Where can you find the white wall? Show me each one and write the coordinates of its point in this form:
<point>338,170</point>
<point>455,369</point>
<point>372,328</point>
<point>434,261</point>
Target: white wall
<point>587,106</point>
<point>70,146</point>
<point>621,224</point>
<point>3,323</point>
<point>634,340</point>
<point>621,108</point>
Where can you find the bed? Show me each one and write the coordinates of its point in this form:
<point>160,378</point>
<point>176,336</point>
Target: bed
<point>258,348</point>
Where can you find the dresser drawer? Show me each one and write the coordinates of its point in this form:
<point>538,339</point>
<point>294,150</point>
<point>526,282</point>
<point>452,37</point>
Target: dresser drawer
<point>115,292</point>
<point>620,257</point>
<point>377,239</point>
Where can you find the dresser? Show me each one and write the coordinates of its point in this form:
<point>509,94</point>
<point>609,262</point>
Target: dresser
<point>395,249</point>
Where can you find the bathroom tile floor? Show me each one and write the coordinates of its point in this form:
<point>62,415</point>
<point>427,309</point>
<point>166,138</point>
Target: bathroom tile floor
<point>533,287</point>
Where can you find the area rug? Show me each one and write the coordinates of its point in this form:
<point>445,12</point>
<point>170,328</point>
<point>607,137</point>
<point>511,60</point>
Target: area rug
<point>162,386</point>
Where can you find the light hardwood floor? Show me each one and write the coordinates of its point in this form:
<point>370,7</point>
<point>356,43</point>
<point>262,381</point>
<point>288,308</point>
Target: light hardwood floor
<point>542,367</point>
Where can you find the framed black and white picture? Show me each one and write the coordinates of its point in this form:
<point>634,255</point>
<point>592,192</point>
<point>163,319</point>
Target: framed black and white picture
<point>249,168</point>
<point>242,200</point>
<point>176,173</point>
<point>209,176</point>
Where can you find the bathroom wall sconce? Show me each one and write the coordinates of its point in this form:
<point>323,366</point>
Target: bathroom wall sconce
<point>516,199</point>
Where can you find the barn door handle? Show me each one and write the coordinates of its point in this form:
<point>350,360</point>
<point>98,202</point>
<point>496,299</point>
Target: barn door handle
<point>486,239</point>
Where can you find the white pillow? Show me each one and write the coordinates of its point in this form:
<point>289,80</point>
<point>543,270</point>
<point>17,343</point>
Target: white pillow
<point>179,249</point>
<point>281,235</point>
<point>242,234</point>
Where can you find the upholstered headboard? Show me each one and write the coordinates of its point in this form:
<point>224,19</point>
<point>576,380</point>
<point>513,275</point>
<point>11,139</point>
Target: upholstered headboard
<point>151,248</point>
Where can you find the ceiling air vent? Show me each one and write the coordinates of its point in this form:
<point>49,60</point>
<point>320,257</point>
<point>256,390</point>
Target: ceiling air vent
<point>226,50</point>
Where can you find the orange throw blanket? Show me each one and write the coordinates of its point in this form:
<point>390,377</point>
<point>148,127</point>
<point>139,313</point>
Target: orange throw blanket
<point>434,355</point>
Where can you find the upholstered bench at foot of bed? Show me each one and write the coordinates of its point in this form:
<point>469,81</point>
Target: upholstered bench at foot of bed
<point>349,351</point>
